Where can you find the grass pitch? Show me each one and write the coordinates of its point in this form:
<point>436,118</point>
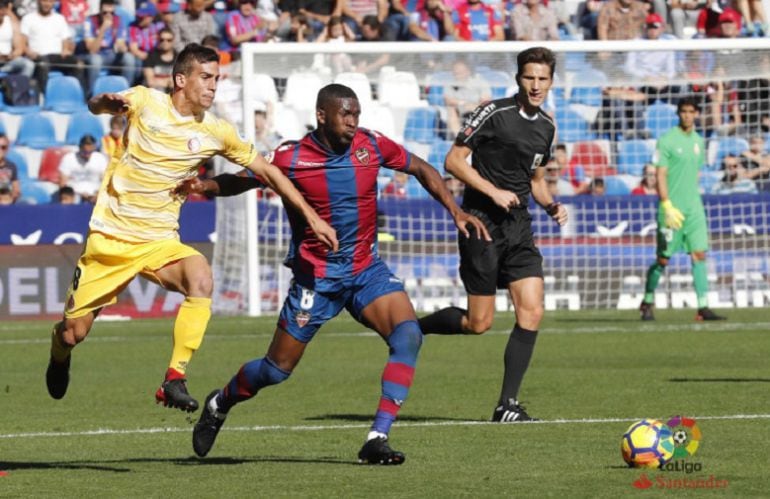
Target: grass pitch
<point>593,373</point>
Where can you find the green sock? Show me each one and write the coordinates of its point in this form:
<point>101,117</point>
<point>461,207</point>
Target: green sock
<point>653,278</point>
<point>701,281</point>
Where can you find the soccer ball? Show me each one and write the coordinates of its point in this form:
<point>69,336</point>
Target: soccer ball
<point>648,443</point>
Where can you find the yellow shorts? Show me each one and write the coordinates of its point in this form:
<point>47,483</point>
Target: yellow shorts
<point>107,265</point>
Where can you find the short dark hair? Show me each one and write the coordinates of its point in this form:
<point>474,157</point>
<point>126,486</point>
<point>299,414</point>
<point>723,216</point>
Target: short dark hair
<point>87,140</point>
<point>5,3</point>
<point>331,92</point>
<point>66,190</point>
<point>372,21</point>
<point>560,147</point>
<point>107,2</point>
<point>687,101</point>
<point>210,40</point>
<point>193,52</point>
<point>538,55</point>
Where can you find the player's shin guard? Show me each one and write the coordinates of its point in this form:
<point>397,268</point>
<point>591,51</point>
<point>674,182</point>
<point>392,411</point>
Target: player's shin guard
<point>700,282</point>
<point>251,378</point>
<point>653,278</point>
<point>59,350</point>
<point>404,342</point>
<point>189,328</point>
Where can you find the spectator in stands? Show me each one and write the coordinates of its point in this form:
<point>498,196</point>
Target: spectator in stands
<point>478,22</point>
<point>192,25</point>
<point>65,195</point>
<point>12,58</point>
<point>589,18</point>
<point>466,92</point>
<point>265,137</point>
<point>683,13</point>
<point>6,198</point>
<point>621,20</point>
<point>111,142</point>
<point>268,11</point>
<point>753,97</point>
<point>757,163</point>
<point>9,173</point>
<point>396,188</point>
<point>557,185</point>
<point>575,174</point>
<point>396,25</point>
<point>107,43</point>
<point>432,22</point>
<point>597,187</point>
<point>371,31</point>
<point>48,43</point>
<point>710,19</point>
<point>75,12</point>
<point>354,12</point>
<point>336,31</point>
<point>244,25</point>
<point>167,12</point>
<point>533,21</point>
<point>158,65</point>
<point>622,112</point>
<point>299,30</point>
<point>317,14</point>
<point>754,15</point>
<point>225,57</point>
<point>734,180</point>
<point>649,183</point>
<point>653,68</point>
<point>730,24</point>
<point>143,33</point>
<point>83,169</point>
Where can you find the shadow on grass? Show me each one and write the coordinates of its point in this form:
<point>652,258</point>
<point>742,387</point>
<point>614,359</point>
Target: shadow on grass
<point>365,418</point>
<point>595,320</point>
<point>719,380</point>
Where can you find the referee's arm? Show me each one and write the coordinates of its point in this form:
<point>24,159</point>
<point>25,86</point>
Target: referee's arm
<point>543,197</point>
<point>457,164</point>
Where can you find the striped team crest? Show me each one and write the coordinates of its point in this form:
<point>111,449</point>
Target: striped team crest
<point>302,318</point>
<point>362,155</point>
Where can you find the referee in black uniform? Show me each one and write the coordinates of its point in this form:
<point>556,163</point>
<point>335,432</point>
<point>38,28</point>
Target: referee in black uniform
<point>511,142</point>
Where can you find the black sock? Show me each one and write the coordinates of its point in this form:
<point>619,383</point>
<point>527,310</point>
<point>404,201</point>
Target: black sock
<point>445,321</point>
<point>521,343</point>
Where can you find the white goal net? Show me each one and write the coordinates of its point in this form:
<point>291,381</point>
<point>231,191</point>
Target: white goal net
<point>610,102</point>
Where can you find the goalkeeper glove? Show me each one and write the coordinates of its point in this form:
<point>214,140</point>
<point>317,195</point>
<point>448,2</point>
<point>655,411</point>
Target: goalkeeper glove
<point>672,215</point>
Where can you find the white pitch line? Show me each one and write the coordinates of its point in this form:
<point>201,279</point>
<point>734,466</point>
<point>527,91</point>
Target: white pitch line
<point>141,431</point>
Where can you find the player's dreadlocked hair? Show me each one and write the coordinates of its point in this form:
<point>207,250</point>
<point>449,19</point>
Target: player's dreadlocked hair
<point>538,55</point>
<point>331,92</point>
<point>193,52</point>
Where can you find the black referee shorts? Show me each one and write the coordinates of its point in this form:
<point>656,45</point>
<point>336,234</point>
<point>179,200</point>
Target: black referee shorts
<point>512,255</point>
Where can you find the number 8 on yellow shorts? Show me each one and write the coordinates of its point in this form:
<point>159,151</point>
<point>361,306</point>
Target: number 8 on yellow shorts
<point>107,265</point>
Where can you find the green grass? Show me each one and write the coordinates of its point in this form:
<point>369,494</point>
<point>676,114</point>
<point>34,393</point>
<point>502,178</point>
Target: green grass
<point>595,371</point>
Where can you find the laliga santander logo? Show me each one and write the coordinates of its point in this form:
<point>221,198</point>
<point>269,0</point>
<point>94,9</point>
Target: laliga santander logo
<point>686,434</point>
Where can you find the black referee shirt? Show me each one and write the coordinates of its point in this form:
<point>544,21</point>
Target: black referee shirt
<point>507,148</point>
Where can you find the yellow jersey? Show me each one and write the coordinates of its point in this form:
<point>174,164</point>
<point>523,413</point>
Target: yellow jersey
<point>161,148</point>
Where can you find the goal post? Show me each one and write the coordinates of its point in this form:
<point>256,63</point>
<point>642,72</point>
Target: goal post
<point>608,118</point>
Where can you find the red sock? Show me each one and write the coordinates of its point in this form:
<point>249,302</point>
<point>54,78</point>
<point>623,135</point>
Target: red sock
<point>172,374</point>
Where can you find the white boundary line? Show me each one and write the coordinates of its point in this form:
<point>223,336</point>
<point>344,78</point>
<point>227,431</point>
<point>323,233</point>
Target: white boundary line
<point>142,431</point>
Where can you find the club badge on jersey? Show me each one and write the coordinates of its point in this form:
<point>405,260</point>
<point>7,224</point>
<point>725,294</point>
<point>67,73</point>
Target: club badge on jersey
<point>302,318</point>
<point>362,155</point>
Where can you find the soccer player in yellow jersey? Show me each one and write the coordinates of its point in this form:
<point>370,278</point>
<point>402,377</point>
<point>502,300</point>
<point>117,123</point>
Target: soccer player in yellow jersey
<point>134,225</point>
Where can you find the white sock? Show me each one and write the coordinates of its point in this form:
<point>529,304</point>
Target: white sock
<point>375,434</point>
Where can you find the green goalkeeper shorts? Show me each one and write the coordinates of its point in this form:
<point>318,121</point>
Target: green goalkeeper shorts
<point>693,236</point>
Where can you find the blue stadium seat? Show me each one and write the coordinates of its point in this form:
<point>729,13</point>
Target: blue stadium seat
<point>36,131</point>
<point>126,17</point>
<point>2,126</point>
<point>572,126</point>
<point>587,87</point>
<point>660,118</point>
<point>499,81</point>
<point>109,84</point>
<point>421,125</point>
<point>84,124</point>
<point>633,155</point>
<point>437,154</point>
<point>614,186</point>
<point>733,146</point>
<point>21,163</point>
<point>436,83</point>
<point>64,95</point>
<point>33,193</point>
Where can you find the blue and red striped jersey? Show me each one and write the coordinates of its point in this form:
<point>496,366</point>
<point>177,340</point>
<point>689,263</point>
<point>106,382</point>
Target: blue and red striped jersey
<point>342,189</point>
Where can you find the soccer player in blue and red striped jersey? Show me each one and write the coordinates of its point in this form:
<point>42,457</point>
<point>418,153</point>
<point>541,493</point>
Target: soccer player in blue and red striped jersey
<point>335,167</point>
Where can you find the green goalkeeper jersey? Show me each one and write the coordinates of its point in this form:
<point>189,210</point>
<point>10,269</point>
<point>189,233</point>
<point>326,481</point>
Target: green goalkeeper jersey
<point>683,154</point>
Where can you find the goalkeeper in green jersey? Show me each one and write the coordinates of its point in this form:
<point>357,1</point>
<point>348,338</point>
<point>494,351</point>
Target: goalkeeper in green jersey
<point>681,217</point>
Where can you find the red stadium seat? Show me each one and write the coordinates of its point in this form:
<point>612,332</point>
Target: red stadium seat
<point>593,157</point>
<point>49,164</point>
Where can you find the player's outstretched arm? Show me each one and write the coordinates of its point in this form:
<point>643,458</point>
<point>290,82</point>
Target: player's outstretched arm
<point>281,184</point>
<point>457,165</point>
<point>108,103</point>
<point>433,183</point>
<point>225,184</point>
<point>543,197</point>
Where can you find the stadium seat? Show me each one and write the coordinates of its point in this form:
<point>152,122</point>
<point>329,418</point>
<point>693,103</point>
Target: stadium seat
<point>399,89</point>
<point>49,164</point>
<point>593,157</point>
<point>572,126</point>
<point>437,155</point>
<point>36,131</point>
<point>436,83</point>
<point>633,155</point>
<point>22,170</point>
<point>732,146</point>
<point>499,81</point>
<point>421,125</point>
<point>84,124</point>
<point>359,82</point>
<point>379,118</point>
<point>302,89</point>
<point>587,87</point>
<point>64,95</point>
<point>659,118</point>
<point>263,88</point>
<point>33,193</point>
<point>109,84</point>
<point>614,186</point>
<point>286,123</point>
